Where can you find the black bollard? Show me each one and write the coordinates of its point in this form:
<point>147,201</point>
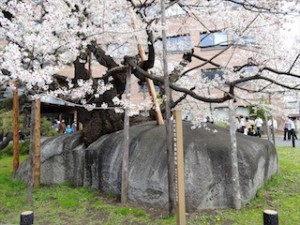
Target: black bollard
<point>270,217</point>
<point>26,218</point>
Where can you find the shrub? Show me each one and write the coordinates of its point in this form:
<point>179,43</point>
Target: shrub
<point>47,128</point>
<point>8,150</point>
<point>6,121</point>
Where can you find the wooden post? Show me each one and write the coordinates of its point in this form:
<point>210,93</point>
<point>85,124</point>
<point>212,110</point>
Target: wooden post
<point>179,164</point>
<point>26,218</point>
<point>80,126</point>
<point>15,129</point>
<point>150,84</point>
<point>236,195</point>
<point>124,188</point>
<point>37,143</point>
<point>270,217</point>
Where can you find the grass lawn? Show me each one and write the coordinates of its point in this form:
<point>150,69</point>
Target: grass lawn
<point>62,204</point>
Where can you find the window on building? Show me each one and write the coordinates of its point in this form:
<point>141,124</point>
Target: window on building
<point>152,11</point>
<point>120,15</point>
<point>212,73</point>
<point>210,40</point>
<point>243,40</point>
<point>38,1</point>
<point>175,10</point>
<point>2,37</point>
<point>182,43</point>
<point>144,88</point>
<point>249,71</point>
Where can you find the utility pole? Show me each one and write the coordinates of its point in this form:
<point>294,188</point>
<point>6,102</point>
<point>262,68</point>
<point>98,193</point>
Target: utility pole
<point>170,152</point>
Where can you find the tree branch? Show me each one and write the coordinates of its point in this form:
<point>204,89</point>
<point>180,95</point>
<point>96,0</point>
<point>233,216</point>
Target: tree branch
<point>140,71</point>
<point>101,57</point>
<point>293,64</point>
<point>208,61</point>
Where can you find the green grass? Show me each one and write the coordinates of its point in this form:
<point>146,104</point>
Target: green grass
<point>62,204</point>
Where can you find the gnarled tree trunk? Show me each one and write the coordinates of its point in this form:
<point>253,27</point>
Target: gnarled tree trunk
<point>101,121</point>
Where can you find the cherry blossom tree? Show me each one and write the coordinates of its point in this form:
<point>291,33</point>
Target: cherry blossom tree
<point>43,36</point>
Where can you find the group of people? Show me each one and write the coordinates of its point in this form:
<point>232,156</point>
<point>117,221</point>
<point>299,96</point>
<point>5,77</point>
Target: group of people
<point>249,126</point>
<point>290,128</point>
<point>63,128</point>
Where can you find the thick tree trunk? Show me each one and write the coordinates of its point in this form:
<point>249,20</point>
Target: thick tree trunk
<point>100,121</point>
<point>103,121</point>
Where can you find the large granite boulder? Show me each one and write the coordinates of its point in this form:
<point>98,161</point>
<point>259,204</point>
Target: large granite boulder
<point>207,165</point>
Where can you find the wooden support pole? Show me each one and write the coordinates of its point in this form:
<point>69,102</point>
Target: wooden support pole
<point>26,218</point>
<point>31,156</point>
<point>150,84</point>
<point>159,117</point>
<point>80,126</point>
<point>270,217</point>
<point>179,160</point>
<point>37,143</point>
<point>15,129</point>
<point>124,187</point>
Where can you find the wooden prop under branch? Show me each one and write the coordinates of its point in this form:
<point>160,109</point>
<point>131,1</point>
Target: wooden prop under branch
<point>150,84</point>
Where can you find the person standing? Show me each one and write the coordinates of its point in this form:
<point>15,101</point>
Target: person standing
<point>286,125</point>
<point>249,126</point>
<point>293,129</point>
<point>69,130</point>
<point>74,126</point>
<point>258,123</point>
<point>62,127</point>
<point>290,127</point>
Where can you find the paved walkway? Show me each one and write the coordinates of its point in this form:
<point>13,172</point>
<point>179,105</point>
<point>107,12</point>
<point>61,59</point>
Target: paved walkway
<point>280,142</point>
